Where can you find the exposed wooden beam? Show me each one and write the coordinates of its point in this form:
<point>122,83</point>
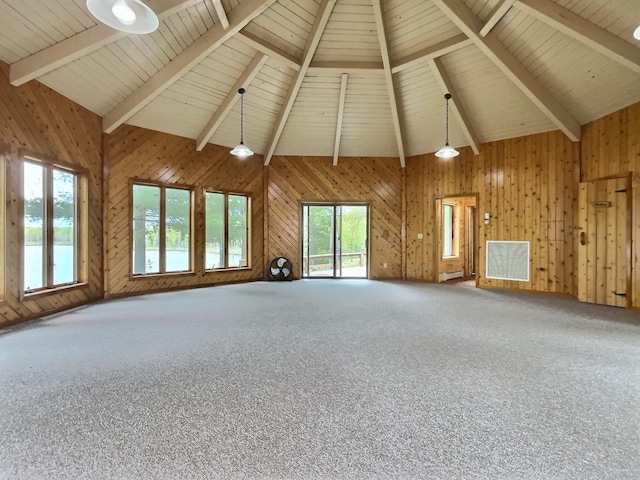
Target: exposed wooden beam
<point>83,43</point>
<point>337,68</point>
<point>343,95</point>
<point>499,11</point>
<point>464,19</point>
<point>371,72</point>
<point>310,49</point>
<point>191,56</point>
<point>456,103</point>
<point>59,54</point>
<point>232,98</point>
<point>393,100</point>
<point>583,31</point>
<point>222,15</point>
<point>437,50</point>
<point>274,52</point>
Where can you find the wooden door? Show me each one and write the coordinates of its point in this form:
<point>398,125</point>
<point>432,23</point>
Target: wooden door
<point>602,242</point>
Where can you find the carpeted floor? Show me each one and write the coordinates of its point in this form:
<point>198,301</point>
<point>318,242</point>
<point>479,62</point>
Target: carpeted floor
<point>324,379</point>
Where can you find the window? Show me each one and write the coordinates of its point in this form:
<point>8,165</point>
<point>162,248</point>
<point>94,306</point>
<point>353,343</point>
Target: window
<point>51,226</point>
<point>227,230</point>
<point>161,229</point>
<point>448,230</point>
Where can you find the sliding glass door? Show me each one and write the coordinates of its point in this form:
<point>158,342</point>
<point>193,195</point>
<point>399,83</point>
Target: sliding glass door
<point>335,240</point>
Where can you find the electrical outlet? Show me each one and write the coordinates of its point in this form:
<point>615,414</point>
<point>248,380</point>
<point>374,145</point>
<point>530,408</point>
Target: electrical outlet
<point>384,265</point>
<point>420,236</point>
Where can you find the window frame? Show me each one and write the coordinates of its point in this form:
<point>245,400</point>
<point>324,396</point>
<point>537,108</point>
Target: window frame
<point>454,253</point>
<point>4,153</point>
<point>248,215</point>
<point>80,224</point>
<point>162,250</point>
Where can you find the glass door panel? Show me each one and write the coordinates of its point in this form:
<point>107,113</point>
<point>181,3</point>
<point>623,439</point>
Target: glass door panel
<point>319,241</point>
<point>353,241</point>
<point>338,241</point>
<point>334,241</point>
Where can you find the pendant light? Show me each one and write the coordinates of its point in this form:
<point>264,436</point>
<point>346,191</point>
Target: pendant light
<point>636,33</point>
<point>447,151</point>
<point>241,150</point>
<point>130,16</point>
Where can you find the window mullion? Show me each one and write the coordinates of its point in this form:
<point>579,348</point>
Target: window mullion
<point>247,226</point>
<point>226,230</point>
<point>48,195</point>
<point>163,225</point>
<point>76,231</point>
<point>192,240</point>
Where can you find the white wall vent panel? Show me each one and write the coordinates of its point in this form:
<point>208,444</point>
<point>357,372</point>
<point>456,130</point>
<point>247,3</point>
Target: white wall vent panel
<point>508,260</point>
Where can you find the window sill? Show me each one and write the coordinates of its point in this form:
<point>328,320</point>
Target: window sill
<point>450,257</point>
<point>138,276</point>
<point>230,269</point>
<point>51,291</point>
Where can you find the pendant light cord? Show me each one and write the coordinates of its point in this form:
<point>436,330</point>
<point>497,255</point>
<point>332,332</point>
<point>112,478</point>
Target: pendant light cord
<point>242,118</point>
<point>241,150</point>
<point>447,151</point>
<point>446,128</point>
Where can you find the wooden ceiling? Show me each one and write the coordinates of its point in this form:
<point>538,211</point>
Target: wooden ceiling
<point>337,77</point>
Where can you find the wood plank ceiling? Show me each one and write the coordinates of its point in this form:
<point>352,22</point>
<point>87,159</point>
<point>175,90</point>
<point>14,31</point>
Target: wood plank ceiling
<point>337,77</point>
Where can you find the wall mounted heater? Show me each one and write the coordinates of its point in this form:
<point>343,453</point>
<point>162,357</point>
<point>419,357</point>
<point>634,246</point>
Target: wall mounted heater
<point>508,260</point>
<point>451,275</point>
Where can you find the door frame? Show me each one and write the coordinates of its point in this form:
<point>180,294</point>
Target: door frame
<point>302,204</point>
<point>439,199</point>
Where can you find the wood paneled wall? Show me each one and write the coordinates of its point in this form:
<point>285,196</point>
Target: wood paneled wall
<point>376,181</point>
<point>529,187</point>
<point>611,148</point>
<point>611,145</point>
<point>136,153</point>
<point>35,118</point>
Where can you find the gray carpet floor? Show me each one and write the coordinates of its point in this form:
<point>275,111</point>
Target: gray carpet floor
<point>324,379</point>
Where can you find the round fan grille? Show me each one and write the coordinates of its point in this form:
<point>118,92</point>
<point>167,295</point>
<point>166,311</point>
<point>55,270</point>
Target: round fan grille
<point>280,269</point>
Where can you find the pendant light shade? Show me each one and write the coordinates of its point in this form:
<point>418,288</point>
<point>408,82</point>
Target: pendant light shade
<point>447,151</point>
<point>130,16</point>
<point>636,33</point>
<point>241,150</point>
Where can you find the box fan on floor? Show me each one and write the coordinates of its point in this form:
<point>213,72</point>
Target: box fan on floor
<point>280,269</point>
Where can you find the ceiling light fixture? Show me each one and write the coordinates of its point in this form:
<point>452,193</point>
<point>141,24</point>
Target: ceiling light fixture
<point>130,16</point>
<point>447,151</point>
<point>241,150</point>
<point>636,34</point>
<point>123,12</point>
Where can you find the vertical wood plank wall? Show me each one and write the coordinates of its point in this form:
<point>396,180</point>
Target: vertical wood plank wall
<point>611,148</point>
<point>136,153</point>
<point>376,181</point>
<point>528,185</point>
<point>35,118</point>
